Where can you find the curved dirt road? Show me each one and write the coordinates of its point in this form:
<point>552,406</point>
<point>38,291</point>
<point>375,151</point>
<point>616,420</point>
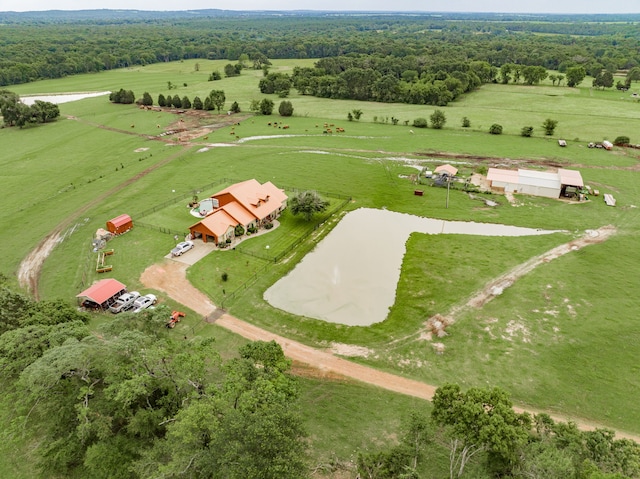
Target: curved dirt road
<point>170,277</point>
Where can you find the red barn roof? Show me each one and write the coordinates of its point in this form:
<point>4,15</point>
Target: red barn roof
<point>102,290</point>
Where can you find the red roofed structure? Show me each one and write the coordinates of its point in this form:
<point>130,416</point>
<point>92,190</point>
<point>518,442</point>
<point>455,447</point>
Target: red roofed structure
<point>248,204</point>
<point>120,224</point>
<point>102,294</point>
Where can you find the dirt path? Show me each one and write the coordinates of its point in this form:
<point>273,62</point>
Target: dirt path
<point>31,266</point>
<point>170,277</point>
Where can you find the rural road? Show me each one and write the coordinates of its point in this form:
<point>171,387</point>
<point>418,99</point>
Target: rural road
<point>170,278</point>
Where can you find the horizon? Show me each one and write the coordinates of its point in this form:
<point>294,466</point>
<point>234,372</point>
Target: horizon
<point>541,7</point>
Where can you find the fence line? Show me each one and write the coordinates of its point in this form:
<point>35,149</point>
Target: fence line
<point>162,229</point>
<point>244,286</point>
<point>195,192</point>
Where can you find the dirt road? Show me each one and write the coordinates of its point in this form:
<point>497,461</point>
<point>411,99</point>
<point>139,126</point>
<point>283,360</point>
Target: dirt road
<point>170,277</point>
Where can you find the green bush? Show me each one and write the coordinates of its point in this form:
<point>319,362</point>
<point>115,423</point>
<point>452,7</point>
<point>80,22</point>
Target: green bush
<point>495,129</point>
<point>466,123</point>
<point>268,226</point>
<point>622,140</point>
<point>225,276</point>
<point>438,119</point>
<point>420,123</point>
<point>526,131</point>
<point>239,231</point>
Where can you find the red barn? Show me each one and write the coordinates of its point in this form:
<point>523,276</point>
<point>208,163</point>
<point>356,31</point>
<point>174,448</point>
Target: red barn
<point>120,224</point>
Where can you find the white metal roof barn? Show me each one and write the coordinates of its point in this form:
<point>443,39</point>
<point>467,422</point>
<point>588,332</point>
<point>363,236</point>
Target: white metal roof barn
<point>535,183</point>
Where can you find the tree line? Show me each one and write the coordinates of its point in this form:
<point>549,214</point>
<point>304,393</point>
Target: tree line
<point>34,50</point>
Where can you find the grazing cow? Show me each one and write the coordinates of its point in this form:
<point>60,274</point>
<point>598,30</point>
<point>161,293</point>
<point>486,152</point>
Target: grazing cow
<point>157,126</point>
<point>206,138</point>
<point>132,125</point>
<point>411,131</point>
<point>285,127</point>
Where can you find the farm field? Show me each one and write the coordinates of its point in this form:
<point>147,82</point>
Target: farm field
<point>563,338</point>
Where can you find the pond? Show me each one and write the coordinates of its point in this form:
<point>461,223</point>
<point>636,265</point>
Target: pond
<point>351,276</point>
<point>58,98</point>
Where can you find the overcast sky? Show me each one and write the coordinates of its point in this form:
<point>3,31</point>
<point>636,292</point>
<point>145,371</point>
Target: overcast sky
<point>517,6</point>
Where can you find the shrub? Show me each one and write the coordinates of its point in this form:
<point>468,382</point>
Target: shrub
<point>228,241</point>
<point>466,123</point>
<point>285,108</point>
<point>495,129</point>
<point>420,123</point>
<point>235,108</point>
<point>438,119</point>
<point>526,131</point>
<point>266,106</point>
<point>252,229</point>
<point>268,226</point>
<point>549,126</point>
<point>239,231</point>
<point>622,140</point>
<point>224,276</point>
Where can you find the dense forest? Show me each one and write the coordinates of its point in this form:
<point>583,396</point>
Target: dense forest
<point>53,45</point>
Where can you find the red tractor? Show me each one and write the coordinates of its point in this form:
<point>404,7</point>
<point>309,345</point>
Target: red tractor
<point>175,319</point>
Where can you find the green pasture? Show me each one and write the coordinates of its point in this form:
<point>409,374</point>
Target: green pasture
<point>561,338</point>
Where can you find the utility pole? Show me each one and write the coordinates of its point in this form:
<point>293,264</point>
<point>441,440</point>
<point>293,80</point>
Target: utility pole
<point>448,183</point>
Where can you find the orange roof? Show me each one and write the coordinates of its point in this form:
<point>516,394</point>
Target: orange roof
<point>448,169</point>
<point>259,200</point>
<point>218,222</point>
<point>120,220</point>
<point>570,177</point>
<point>237,212</point>
<point>102,290</point>
<point>504,176</point>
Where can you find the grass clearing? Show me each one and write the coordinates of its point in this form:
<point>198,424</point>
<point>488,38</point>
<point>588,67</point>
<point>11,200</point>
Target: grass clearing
<point>587,348</point>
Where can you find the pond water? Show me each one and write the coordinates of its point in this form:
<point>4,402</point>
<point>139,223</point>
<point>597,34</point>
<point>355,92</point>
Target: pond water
<point>58,98</point>
<point>351,276</point>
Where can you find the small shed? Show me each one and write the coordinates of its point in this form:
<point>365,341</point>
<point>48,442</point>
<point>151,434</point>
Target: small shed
<point>120,224</point>
<point>446,170</point>
<point>102,294</point>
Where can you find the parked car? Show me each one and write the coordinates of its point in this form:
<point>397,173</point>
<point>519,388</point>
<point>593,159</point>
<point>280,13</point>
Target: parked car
<point>124,302</point>
<point>144,302</point>
<point>182,248</point>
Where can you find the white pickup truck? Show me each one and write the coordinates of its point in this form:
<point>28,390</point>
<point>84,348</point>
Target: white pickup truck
<point>124,302</point>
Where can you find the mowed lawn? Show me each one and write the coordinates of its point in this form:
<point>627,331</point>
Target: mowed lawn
<point>560,338</point>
